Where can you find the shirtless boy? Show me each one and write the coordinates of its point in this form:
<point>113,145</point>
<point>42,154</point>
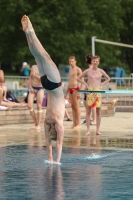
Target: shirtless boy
<point>94,75</point>
<point>36,90</point>
<point>51,81</point>
<point>72,89</point>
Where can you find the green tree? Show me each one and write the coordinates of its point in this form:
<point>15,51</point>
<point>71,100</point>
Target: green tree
<point>60,26</point>
<point>106,24</point>
<point>126,33</point>
<point>65,28</point>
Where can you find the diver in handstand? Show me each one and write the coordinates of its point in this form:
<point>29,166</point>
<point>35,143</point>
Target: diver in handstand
<point>51,81</point>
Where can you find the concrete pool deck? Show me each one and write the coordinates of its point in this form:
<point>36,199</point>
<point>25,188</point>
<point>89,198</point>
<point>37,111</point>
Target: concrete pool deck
<point>117,133</point>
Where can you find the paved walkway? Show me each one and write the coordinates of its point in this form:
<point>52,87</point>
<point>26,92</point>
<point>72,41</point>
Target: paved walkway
<point>117,133</point>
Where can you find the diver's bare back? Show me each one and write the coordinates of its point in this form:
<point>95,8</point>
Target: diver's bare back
<point>73,74</point>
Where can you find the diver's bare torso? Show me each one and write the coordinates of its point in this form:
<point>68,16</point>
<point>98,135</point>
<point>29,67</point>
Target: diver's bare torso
<point>56,107</point>
<point>53,118</point>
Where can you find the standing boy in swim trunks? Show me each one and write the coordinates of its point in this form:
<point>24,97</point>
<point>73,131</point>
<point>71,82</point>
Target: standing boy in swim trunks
<point>72,89</point>
<point>36,90</point>
<point>94,75</point>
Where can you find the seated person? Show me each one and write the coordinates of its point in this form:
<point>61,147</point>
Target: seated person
<point>6,102</point>
<point>3,91</point>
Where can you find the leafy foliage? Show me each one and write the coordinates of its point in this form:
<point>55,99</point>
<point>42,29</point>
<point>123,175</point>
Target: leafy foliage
<point>126,33</point>
<point>65,28</point>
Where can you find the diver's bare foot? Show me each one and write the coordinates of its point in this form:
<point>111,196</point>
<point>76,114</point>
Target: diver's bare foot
<point>88,133</point>
<point>98,133</point>
<point>24,22</point>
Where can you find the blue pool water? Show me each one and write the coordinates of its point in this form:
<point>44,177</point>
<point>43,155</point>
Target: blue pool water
<point>84,174</point>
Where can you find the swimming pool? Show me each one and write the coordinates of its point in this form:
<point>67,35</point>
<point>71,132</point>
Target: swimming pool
<point>84,174</point>
<point>93,167</point>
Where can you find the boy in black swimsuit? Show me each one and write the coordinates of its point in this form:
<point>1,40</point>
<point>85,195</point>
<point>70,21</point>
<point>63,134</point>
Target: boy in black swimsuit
<point>51,81</point>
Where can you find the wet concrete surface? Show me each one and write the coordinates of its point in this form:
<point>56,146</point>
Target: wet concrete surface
<point>117,133</point>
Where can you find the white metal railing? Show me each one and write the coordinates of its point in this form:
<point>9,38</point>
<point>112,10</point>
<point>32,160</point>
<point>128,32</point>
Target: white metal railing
<point>19,85</point>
